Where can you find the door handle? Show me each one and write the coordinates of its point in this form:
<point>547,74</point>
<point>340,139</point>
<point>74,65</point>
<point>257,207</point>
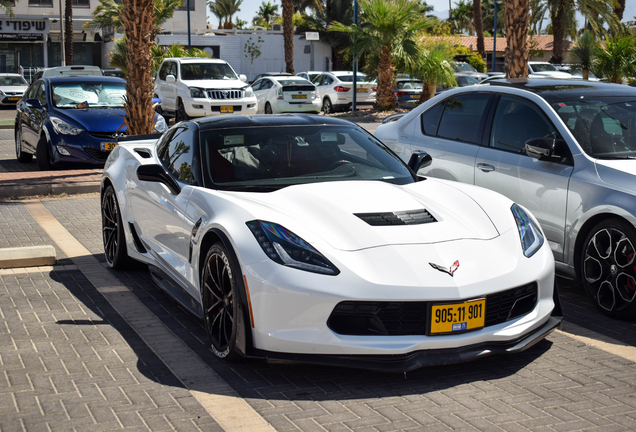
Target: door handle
<point>485,167</point>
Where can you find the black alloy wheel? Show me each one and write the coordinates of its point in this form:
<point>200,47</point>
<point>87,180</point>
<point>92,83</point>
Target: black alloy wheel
<point>113,234</point>
<point>181,114</point>
<point>42,155</point>
<point>220,302</point>
<point>326,106</point>
<point>268,108</point>
<point>608,268</point>
<point>19,154</point>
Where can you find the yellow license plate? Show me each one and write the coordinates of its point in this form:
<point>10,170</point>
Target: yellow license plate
<point>14,99</point>
<point>415,96</point>
<point>362,90</point>
<point>108,146</point>
<point>299,96</point>
<point>227,109</point>
<point>458,317</point>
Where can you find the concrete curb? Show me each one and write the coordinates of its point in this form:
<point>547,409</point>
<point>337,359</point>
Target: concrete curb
<point>30,256</point>
<point>49,189</point>
<point>7,126</point>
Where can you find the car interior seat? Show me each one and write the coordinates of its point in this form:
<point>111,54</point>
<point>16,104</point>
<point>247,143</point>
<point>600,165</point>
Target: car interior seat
<point>582,128</point>
<point>600,141</point>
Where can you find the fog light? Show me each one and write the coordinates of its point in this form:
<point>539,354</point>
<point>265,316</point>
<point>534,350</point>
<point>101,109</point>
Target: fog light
<point>62,150</point>
<point>251,105</point>
<point>197,106</point>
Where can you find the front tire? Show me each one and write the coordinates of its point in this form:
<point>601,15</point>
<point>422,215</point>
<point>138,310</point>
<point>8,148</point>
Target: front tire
<point>608,268</point>
<point>268,108</point>
<point>113,234</point>
<point>181,114</point>
<point>220,302</point>
<point>21,156</point>
<point>42,154</point>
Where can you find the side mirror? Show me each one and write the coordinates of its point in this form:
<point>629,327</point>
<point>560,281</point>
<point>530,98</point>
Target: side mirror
<point>243,78</point>
<point>170,79</point>
<point>158,174</point>
<point>34,103</point>
<point>541,148</point>
<point>419,159</point>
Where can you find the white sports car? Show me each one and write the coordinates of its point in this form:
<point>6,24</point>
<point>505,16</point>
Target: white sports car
<point>305,238</point>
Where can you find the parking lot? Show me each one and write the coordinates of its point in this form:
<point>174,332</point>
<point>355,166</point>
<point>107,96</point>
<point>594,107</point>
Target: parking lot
<point>87,348</point>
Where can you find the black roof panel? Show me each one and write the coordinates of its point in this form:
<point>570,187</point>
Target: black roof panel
<point>551,89</point>
<point>233,120</point>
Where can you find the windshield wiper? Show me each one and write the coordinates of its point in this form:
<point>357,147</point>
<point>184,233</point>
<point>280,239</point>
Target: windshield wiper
<point>252,188</point>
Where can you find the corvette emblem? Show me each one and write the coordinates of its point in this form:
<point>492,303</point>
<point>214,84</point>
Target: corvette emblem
<point>450,271</point>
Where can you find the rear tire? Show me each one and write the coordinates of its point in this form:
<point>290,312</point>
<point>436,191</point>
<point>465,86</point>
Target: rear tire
<point>268,108</point>
<point>181,114</point>
<point>42,155</point>
<point>327,108</point>
<point>21,156</point>
<point>113,234</point>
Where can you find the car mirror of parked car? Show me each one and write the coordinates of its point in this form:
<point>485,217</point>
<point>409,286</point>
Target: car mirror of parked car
<point>243,77</point>
<point>419,159</point>
<point>158,174</point>
<point>34,103</point>
<point>171,79</point>
<point>544,149</point>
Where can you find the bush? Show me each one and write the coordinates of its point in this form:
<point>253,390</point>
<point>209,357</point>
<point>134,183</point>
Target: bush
<point>478,63</point>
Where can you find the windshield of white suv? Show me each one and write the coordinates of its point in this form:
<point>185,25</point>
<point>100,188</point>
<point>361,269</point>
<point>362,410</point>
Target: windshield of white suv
<point>269,158</point>
<point>207,71</point>
<point>463,67</point>
<point>543,67</point>
<point>605,127</point>
<point>359,78</point>
<point>12,81</point>
<point>88,95</point>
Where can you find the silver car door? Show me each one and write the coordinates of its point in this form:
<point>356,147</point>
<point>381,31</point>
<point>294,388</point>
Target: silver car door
<point>539,185</point>
<point>451,133</point>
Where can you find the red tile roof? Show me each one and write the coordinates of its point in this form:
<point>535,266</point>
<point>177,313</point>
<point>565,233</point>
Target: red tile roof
<point>544,42</point>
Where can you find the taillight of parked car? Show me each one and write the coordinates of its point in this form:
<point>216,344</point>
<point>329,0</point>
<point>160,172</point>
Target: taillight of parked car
<point>341,89</point>
<point>398,94</point>
<point>279,93</point>
<point>374,89</point>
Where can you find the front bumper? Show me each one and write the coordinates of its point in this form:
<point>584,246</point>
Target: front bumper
<point>84,149</point>
<point>203,107</point>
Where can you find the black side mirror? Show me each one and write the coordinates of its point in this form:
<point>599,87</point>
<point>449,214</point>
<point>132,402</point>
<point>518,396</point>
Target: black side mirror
<point>34,103</point>
<point>542,148</point>
<point>419,159</point>
<point>158,174</point>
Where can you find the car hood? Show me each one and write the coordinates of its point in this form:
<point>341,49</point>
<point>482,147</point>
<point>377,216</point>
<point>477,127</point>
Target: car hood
<point>94,119</point>
<point>332,212</point>
<point>13,89</point>
<point>559,75</point>
<point>215,84</point>
<point>621,173</point>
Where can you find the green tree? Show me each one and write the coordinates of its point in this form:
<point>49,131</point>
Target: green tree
<point>267,12</point>
<point>617,59</point>
<point>252,51</point>
<point>389,28</point>
<point>538,9</point>
<point>220,14</point>
<point>582,53</point>
<point>158,54</point>
<point>107,15</point>
<point>436,68</point>
<point>226,10</point>
<point>462,17</point>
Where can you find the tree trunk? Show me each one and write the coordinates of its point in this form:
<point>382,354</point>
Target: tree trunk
<point>428,91</point>
<point>517,21</point>
<point>68,32</point>
<point>338,59</point>
<point>385,98</point>
<point>479,28</point>
<point>138,17</point>
<point>586,74</point>
<point>288,35</point>
<point>620,9</point>
<point>557,15</point>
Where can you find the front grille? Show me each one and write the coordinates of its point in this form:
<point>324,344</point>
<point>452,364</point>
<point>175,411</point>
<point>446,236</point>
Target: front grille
<point>364,318</point>
<point>225,94</point>
<point>237,108</point>
<point>96,153</point>
<point>411,217</point>
<point>105,135</point>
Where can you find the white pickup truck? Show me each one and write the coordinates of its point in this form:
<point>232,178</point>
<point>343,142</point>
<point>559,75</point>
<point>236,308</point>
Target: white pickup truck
<point>199,87</point>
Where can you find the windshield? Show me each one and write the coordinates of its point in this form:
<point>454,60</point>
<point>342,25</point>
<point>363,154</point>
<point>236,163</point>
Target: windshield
<point>463,67</point>
<point>359,78</point>
<point>207,71</point>
<point>294,82</point>
<point>409,85</point>
<point>604,127</point>
<point>88,95</point>
<point>269,158</point>
<point>12,81</point>
<point>543,67</point>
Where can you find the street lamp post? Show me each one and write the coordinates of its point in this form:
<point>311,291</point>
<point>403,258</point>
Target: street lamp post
<point>494,39</point>
<point>355,60</point>
<point>61,36</point>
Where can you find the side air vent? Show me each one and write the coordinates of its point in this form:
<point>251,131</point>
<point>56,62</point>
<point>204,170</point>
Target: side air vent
<point>144,153</point>
<point>136,240</point>
<point>410,217</point>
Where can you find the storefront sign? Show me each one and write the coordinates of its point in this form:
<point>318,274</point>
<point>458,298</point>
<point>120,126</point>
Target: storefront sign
<point>13,37</point>
<point>20,26</point>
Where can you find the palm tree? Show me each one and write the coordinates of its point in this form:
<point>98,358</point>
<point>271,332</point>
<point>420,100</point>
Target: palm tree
<point>266,11</point>
<point>6,6</point>
<point>212,5</point>
<point>583,53</point>
<point>436,68</point>
<point>617,59</point>
<point>107,15</point>
<point>389,28</point>
<point>334,10</point>
<point>479,29</point>
<point>138,17</point>
<point>517,21</point>
<point>228,8</point>
<point>538,9</point>
<point>68,35</point>
<point>462,17</point>
<point>288,35</point>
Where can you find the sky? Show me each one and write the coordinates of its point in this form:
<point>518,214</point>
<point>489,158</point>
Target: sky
<point>250,7</point>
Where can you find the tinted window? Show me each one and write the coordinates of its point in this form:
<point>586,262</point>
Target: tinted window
<point>463,117</point>
<point>257,85</point>
<point>40,93</point>
<point>318,80</point>
<point>176,153</point>
<point>163,72</point>
<point>515,122</point>
<point>430,119</point>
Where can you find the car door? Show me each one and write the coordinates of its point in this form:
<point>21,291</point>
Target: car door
<point>539,185</point>
<point>451,133</point>
<point>256,87</point>
<point>168,91</point>
<point>263,92</point>
<point>33,118</point>
<point>159,214</point>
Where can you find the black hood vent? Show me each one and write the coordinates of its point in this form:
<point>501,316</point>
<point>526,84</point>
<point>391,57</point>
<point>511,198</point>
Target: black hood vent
<point>410,217</point>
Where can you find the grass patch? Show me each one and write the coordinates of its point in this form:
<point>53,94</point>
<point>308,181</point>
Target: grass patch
<point>6,122</point>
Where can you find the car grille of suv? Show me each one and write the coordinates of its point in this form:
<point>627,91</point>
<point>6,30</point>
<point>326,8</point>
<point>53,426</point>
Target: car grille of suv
<point>225,94</point>
<point>368,318</point>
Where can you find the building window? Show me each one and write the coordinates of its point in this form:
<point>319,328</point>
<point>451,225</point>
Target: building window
<point>184,5</point>
<point>81,3</point>
<point>46,3</point>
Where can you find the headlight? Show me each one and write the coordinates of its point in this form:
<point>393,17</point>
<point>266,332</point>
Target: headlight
<point>248,91</point>
<point>530,234</point>
<point>286,248</point>
<point>160,124</point>
<point>63,128</point>
<point>196,92</point>
<point>1,93</point>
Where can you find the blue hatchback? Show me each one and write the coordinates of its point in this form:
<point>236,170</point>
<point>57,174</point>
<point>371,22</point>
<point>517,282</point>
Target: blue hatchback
<point>72,121</point>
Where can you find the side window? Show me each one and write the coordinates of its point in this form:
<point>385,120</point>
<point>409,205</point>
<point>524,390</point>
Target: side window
<point>176,154</point>
<point>257,85</point>
<point>515,122</point>
<point>32,91</point>
<point>172,70</point>
<point>327,80</point>
<point>163,72</point>
<point>430,119</point>
<point>41,93</point>
<point>318,80</point>
<point>463,118</point>
<point>267,84</point>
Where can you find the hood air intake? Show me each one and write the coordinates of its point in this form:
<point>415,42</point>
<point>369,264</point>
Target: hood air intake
<point>410,217</point>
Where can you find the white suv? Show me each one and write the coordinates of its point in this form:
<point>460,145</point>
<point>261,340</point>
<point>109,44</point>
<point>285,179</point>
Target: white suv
<point>199,87</point>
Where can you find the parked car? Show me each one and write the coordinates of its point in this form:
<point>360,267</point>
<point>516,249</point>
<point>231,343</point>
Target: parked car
<point>576,72</point>
<point>310,75</point>
<point>566,153</point>
<point>304,238</point>
<point>547,70</point>
<point>199,87</point>
<point>115,72</point>
<point>75,70</point>
<point>466,69</point>
<point>286,94</point>
<point>335,90</point>
<point>407,91</point>
<point>12,87</point>
<point>67,121</point>
<point>272,74</point>
<point>462,81</point>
